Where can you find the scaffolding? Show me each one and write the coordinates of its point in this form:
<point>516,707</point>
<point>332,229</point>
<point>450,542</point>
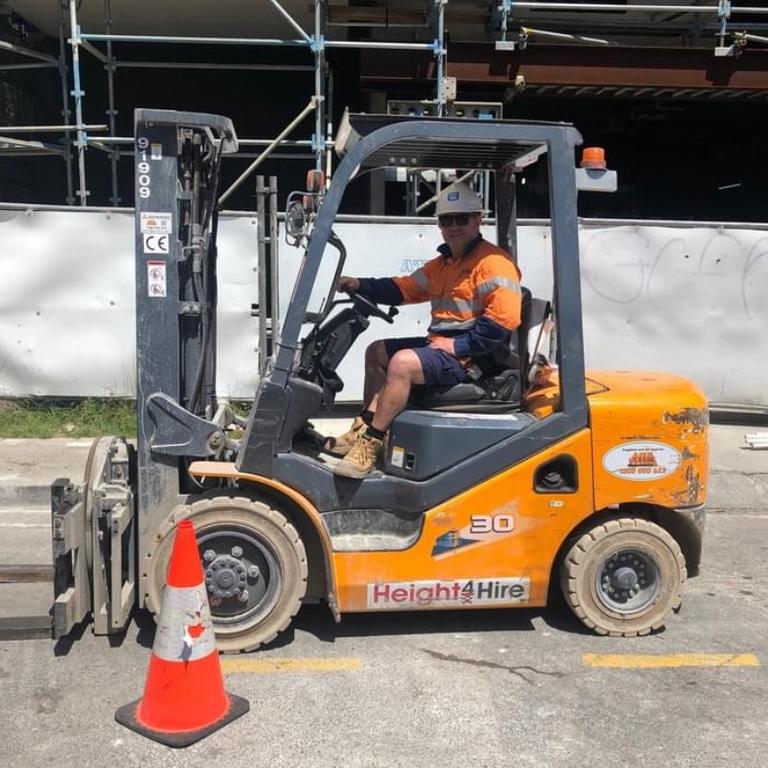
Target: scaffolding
<point>78,137</point>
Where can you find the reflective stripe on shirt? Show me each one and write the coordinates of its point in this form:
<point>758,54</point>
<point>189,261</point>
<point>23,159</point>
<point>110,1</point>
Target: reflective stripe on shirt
<point>496,282</point>
<point>446,304</point>
<point>453,325</point>
<point>421,279</point>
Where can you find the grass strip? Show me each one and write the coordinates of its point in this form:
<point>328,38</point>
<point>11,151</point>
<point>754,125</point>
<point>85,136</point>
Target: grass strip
<point>44,418</point>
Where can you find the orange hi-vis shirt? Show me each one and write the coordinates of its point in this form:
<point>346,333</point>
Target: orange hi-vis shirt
<point>483,283</point>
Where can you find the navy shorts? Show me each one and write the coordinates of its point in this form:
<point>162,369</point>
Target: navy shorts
<point>439,368</point>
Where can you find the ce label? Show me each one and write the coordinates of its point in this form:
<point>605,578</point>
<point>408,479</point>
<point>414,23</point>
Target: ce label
<point>155,243</point>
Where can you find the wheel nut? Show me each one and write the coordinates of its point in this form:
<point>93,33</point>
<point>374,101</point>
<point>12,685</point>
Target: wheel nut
<point>243,596</point>
<point>236,551</point>
<point>253,572</point>
<point>208,555</point>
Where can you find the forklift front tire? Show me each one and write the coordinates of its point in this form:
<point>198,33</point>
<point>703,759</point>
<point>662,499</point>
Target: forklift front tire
<point>254,565</point>
<point>624,577</point>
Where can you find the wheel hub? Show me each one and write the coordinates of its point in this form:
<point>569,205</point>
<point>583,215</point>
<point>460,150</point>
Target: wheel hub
<point>625,578</point>
<point>627,581</point>
<point>241,574</point>
<point>225,577</point>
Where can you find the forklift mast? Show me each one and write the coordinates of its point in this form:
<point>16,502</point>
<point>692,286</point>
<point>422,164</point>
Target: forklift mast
<point>178,166</point>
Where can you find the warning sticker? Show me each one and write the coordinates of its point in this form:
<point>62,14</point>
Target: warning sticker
<point>156,151</point>
<point>641,461</point>
<point>156,280</point>
<point>156,223</point>
<point>156,243</point>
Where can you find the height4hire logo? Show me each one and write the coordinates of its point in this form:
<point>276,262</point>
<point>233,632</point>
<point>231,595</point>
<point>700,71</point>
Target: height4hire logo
<point>419,595</point>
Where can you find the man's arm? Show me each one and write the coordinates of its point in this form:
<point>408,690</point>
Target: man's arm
<point>482,339</point>
<point>409,289</point>
<point>497,286</point>
<point>381,290</point>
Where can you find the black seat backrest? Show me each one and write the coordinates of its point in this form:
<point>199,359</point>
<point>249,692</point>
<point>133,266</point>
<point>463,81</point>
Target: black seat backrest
<point>514,354</point>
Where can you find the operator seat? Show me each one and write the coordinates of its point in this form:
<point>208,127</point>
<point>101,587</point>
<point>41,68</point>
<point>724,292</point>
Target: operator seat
<point>497,392</point>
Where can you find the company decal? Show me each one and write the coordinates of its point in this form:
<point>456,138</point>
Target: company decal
<point>641,461</point>
<point>416,595</point>
<point>481,530</point>
<point>155,223</point>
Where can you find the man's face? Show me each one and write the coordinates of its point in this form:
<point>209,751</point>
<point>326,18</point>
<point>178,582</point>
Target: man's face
<point>459,230</point>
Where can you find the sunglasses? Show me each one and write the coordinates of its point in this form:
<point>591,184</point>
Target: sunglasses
<point>460,219</point>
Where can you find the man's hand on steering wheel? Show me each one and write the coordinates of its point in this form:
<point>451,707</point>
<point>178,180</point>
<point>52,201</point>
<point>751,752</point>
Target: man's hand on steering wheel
<point>348,284</point>
<point>351,285</point>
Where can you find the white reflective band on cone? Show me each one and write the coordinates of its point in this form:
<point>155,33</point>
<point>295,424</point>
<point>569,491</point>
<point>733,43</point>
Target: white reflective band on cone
<point>185,628</point>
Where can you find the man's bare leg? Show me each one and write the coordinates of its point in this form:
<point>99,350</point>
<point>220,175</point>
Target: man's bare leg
<point>376,363</point>
<point>403,372</point>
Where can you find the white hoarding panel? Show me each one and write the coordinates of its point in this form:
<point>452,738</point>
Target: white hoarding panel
<point>691,300</point>
<point>67,304</point>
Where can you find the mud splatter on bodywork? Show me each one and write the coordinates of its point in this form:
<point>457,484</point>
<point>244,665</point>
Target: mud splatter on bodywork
<point>695,420</point>
<point>689,496</point>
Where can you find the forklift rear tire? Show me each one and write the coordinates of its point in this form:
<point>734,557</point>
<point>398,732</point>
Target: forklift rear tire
<point>254,565</point>
<point>624,577</point>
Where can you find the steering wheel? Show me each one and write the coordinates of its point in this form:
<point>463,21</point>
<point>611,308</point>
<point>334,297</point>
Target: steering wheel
<point>368,307</point>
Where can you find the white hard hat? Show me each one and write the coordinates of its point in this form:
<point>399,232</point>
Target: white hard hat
<point>458,198</point>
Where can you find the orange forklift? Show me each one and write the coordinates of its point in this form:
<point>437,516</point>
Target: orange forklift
<point>490,492</point>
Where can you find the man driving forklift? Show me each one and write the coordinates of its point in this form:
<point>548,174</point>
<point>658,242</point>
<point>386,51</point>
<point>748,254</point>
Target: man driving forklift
<point>474,290</point>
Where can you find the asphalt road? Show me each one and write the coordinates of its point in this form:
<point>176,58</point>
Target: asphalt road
<point>451,689</point>
<point>489,688</point>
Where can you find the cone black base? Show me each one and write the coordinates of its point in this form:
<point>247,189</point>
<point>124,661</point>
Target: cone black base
<point>127,716</point>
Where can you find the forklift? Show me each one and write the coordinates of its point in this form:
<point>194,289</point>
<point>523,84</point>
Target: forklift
<point>491,494</point>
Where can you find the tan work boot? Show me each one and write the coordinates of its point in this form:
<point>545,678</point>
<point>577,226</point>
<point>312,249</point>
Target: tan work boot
<point>342,445</point>
<point>362,458</point>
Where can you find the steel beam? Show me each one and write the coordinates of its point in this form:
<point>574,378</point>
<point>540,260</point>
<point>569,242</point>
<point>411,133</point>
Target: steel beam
<point>479,63</point>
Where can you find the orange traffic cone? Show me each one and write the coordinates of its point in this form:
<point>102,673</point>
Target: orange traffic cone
<point>184,698</point>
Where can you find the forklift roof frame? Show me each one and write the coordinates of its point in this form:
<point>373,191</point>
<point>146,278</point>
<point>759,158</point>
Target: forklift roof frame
<point>260,454</point>
<point>398,133</point>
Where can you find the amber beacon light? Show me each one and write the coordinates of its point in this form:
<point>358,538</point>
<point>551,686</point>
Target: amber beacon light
<point>593,157</point>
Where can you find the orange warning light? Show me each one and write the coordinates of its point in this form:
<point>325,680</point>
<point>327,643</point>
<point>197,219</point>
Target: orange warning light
<point>593,157</point>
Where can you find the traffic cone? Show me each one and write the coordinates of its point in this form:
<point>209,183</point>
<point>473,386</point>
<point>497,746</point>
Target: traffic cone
<point>184,698</point>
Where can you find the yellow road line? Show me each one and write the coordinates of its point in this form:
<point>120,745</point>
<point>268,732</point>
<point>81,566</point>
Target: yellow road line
<point>268,666</point>
<point>629,661</point>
